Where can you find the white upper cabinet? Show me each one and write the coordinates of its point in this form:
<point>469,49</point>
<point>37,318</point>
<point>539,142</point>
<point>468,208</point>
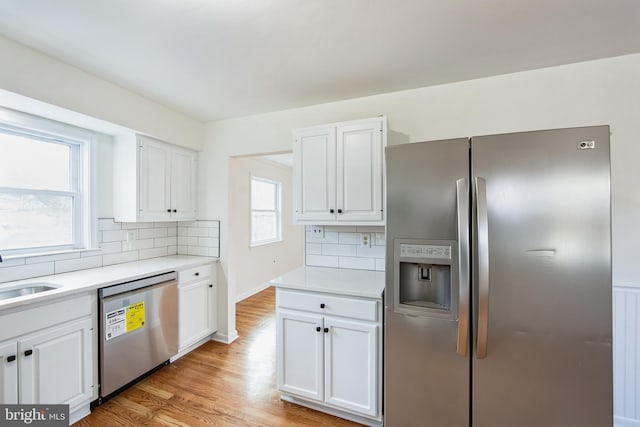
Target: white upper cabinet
<point>153,180</point>
<point>338,173</point>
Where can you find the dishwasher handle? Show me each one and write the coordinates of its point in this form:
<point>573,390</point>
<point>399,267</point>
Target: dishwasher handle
<point>137,284</point>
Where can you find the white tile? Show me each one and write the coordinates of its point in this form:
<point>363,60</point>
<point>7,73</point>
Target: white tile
<point>197,231</point>
<point>64,266</point>
<point>329,237</point>
<point>380,264</point>
<point>153,253</point>
<point>214,231</point>
<point>187,241</point>
<point>120,258</point>
<point>109,248</point>
<point>210,242</point>
<point>357,263</point>
<point>206,223</point>
<point>136,225</point>
<point>172,250</point>
<point>45,258</point>
<point>187,223</point>
<point>135,245</point>
<point>183,231</point>
<point>151,233</point>
<point>114,235</point>
<point>214,252</point>
<point>308,228</point>
<point>167,224</point>
<point>108,224</point>
<point>172,231</point>
<point>370,229</point>
<point>197,250</point>
<point>313,249</point>
<point>164,241</point>
<point>322,261</point>
<point>372,252</point>
<point>349,238</point>
<point>20,272</point>
<point>338,250</point>
<point>12,262</point>
<point>182,250</point>
<point>340,228</point>
<point>379,239</point>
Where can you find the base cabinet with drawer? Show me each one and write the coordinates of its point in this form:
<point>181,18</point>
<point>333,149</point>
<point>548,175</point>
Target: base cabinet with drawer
<point>197,293</point>
<point>329,351</point>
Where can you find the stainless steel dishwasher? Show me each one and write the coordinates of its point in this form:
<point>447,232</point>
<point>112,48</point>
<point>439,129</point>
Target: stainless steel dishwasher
<point>138,330</point>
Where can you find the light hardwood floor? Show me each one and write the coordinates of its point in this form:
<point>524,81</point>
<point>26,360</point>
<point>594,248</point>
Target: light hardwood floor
<point>216,384</point>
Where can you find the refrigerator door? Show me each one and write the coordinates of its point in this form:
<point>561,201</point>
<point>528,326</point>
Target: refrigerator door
<point>426,364</point>
<point>542,279</point>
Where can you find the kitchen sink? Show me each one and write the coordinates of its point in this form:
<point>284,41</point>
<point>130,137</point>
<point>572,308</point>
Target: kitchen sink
<point>26,289</point>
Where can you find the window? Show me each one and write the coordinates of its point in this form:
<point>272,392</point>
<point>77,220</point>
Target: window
<point>265,211</point>
<point>44,186</point>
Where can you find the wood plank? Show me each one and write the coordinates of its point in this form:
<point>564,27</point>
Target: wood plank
<point>216,384</point>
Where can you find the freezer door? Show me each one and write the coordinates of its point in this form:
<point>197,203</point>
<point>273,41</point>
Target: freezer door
<point>426,367</point>
<point>542,280</point>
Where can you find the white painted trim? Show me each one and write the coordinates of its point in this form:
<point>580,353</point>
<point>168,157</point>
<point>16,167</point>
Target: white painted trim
<point>79,414</point>
<point>225,338</point>
<point>252,292</point>
<point>625,422</point>
<point>335,412</point>
<point>190,348</point>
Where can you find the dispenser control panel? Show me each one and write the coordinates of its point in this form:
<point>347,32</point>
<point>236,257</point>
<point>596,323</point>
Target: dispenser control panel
<point>425,251</point>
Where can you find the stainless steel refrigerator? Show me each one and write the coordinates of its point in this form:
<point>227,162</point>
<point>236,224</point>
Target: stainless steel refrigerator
<point>498,296</point>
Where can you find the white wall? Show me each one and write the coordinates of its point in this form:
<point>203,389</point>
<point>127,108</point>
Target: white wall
<point>590,93</point>
<point>35,75</point>
<point>252,267</point>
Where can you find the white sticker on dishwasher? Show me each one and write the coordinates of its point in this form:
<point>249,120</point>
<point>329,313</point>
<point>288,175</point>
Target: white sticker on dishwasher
<point>115,323</point>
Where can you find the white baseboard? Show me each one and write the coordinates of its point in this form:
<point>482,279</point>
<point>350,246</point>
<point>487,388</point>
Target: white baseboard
<point>252,292</point>
<point>625,422</point>
<point>225,338</point>
<point>79,414</point>
<point>331,411</point>
<point>190,348</point>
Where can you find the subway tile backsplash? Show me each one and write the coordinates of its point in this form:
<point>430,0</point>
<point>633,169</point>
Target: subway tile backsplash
<point>120,243</point>
<point>340,247</point>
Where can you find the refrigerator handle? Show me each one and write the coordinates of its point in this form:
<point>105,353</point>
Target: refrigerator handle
<point>462,199</point>
<point>483,266</point>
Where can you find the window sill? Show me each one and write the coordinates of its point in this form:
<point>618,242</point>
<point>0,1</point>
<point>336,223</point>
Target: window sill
<point>267,242</point>
<point>37,254</point>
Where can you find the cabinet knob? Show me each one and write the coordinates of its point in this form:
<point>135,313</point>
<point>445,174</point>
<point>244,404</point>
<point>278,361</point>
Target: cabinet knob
<point>169,210</point>
<point>318,328</point>
<point>175,210</point>
<point>28,353</point>
<point>326,330</point>
<point>211,286</point>
<point>197,273</point>
<point>13,356</point>
<point>339,210</point>
<point>322,305</point>
<point>331,211</point>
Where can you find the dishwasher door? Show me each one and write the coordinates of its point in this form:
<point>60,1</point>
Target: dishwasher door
<point>138,332</point>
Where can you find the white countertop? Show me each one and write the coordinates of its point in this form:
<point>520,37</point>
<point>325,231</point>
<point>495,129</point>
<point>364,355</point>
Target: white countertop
<point>94,278</point>
<point>359,283</point>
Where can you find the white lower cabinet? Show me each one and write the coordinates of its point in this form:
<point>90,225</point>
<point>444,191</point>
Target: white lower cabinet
<point>330,359</point>
<point>53,366</point>
<point>197,293</point>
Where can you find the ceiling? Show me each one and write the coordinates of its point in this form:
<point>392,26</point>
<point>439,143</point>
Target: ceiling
<point>215,59</point>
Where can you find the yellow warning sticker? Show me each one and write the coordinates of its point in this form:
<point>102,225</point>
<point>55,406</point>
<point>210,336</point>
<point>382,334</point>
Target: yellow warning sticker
<point>135,316</point>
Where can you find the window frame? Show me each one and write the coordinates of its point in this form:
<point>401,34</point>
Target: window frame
<point>277,211</point>
<point>81,164</point>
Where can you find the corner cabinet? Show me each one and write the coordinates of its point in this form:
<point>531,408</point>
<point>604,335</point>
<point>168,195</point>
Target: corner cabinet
<point>153,180</point>
<point>339,173</point>
<point>197,293</point>
<point>329,351</point>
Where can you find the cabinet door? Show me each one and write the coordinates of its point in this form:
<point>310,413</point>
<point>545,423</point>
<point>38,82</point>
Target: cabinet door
<point>154,196</point>
<point>359,171</point>
<point>195,312</point>
<point>183,184</point>
<point>314,152</point>
<point>56,365</point>
<point>351,363</point>
<point>300,364</point>
<point>8,373</point>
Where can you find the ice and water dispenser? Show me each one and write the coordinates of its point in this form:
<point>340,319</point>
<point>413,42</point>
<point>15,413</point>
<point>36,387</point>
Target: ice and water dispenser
<point>426,278</point>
